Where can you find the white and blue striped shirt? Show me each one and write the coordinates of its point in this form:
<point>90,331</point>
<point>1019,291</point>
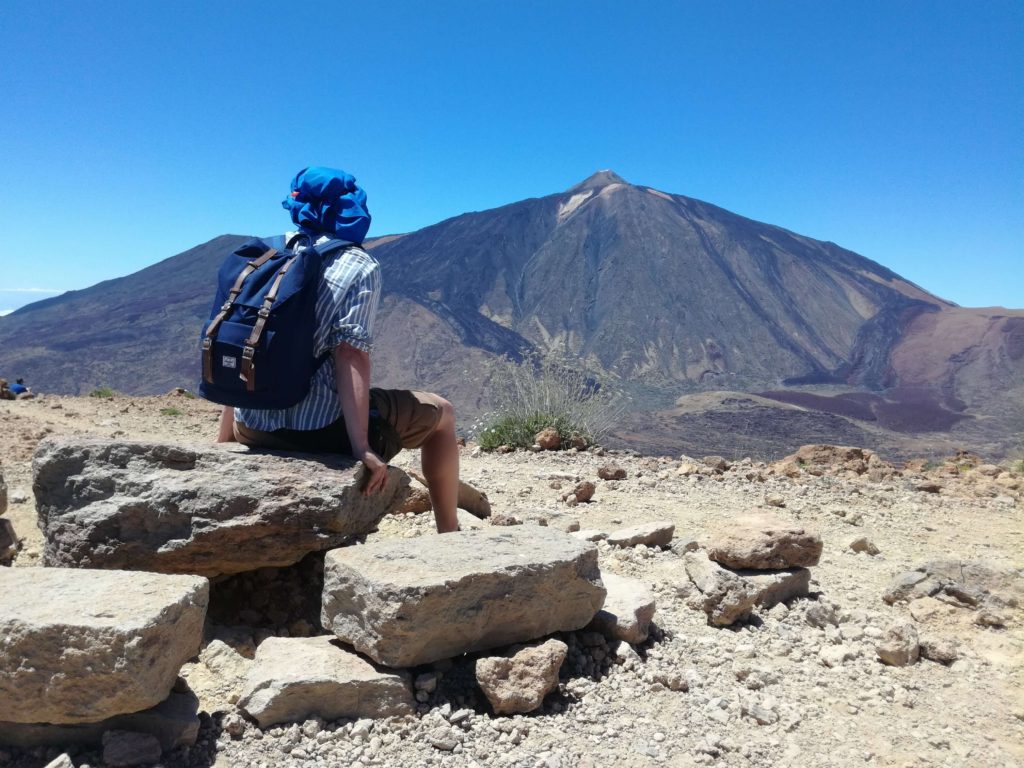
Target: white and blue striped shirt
<point>346,303</point>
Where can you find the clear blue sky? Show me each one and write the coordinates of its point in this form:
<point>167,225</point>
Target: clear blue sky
<point>131,131</point>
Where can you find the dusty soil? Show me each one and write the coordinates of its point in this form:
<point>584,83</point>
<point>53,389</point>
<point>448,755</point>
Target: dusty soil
<point>760,694</point>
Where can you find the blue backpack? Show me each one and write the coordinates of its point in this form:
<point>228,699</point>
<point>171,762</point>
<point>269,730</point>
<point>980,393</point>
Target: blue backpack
<point>257,347</point>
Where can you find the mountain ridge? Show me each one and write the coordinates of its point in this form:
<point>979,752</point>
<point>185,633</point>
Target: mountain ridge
<point>666,293</point>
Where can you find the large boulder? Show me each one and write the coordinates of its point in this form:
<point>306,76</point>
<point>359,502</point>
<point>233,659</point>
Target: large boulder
<point>404,603</point>
<point>765,543</point>
<point>294,679</point>
<point>207,510</point>
<point>79,646</point>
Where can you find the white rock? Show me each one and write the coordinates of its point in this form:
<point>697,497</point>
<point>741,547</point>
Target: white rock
<point>218,677</point>
<point>628,609</point>
<point>900,646</point>
<point>865,545</point>
<point>467,521</point>
<point>836,655</point>
<point>590,534</point>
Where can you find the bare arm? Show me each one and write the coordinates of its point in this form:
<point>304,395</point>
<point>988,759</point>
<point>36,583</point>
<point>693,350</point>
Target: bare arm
<point>225,427</point>
<point>352,373</point>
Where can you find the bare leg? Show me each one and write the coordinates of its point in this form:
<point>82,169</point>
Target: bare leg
<point>440,461</point>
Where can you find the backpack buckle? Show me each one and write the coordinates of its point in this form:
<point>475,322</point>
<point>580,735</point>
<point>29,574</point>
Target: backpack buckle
<point>263,312</point>
<point>248,352</point>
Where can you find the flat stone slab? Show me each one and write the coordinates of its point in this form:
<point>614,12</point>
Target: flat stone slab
<point>294,679</point>
<point>80,646</point>
<point>766,543</point>
<point>207,509</point>
<point>628,609</point>
<point>649,534</point>
<point>406,602</point>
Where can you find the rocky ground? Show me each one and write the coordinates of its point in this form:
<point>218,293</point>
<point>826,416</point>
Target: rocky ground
<point>799,685</point>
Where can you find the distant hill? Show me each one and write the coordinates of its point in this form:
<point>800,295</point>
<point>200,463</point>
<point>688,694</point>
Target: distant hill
<point>672,294</point>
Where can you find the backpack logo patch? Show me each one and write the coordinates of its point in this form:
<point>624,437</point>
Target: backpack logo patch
<point>227,361</point>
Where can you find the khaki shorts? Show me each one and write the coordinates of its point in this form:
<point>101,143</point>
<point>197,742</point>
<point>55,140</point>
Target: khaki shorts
<point>399,418</point>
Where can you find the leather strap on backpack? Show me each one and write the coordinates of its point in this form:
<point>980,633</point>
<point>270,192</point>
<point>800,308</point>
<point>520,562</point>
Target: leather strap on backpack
<point>211,331</point>
<point>248,370</point>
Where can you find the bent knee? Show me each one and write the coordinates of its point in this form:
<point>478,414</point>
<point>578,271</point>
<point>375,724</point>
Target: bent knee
<point>447,411</point>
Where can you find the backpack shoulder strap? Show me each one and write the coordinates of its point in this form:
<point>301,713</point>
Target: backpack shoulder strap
<point>332,245</point>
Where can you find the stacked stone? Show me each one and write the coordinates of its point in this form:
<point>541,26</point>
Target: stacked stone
<point>759,563</point>
<point>391,605</point>
<point>400,604</point>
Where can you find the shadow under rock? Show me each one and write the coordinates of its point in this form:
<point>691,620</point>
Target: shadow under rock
<point>282,601</point>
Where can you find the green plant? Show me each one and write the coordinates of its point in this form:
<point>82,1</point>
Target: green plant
<point>188,395</point>
<point>535,394</point>
<point>170,412</point>
<point>1019,466</point>
<point>102,392</point>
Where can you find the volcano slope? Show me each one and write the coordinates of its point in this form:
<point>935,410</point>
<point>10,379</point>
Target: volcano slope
<point>665,294</point>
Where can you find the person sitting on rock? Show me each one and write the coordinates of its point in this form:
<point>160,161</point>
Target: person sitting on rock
<point>341,413</point>
<point>20,391</point>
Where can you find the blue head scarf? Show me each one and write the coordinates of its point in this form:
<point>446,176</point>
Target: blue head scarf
<point>327,201</point>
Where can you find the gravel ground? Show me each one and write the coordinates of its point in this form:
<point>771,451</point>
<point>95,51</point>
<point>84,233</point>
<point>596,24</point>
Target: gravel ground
<point>796,686</point>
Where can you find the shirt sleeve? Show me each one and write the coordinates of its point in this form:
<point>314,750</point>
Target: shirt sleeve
<point>355,307</point>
